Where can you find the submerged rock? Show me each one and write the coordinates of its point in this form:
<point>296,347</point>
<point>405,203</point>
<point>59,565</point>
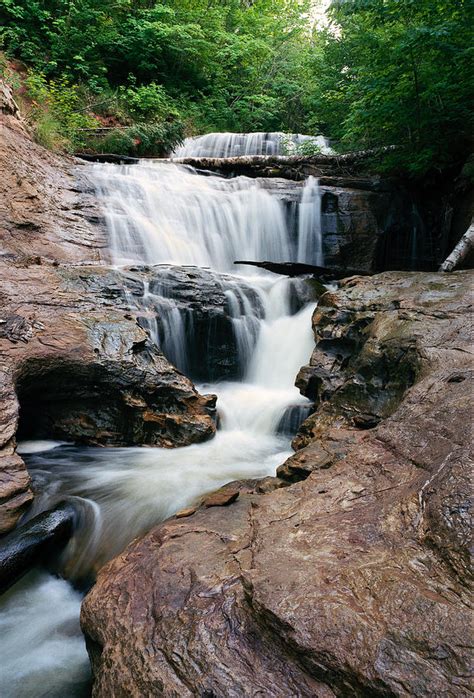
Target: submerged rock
<point>352,581</point>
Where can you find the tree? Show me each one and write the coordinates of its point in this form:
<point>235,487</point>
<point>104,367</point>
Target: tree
<point>397,72</point>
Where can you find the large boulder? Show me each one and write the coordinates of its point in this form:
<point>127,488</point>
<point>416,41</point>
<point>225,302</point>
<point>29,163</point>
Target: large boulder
<point>36,542</point>
<point>354,579</point>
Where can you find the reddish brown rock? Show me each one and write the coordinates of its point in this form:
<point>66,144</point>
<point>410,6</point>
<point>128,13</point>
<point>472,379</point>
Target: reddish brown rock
<point>184,513</point>
<point>222,497</point>
<point>352,582</point>
<point>45,211</point>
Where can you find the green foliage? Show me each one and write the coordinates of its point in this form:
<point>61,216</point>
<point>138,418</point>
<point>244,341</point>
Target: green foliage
<point>382,72</point>
<point>233,65</point>
<point>48,132</point>
<point>57,111</point>
<point>141,140</point>
<point>397,72</point>
<point>149,102</point>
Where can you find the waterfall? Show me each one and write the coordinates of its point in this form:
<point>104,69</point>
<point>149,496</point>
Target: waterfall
<point>225,145</point>
<point>191,228</point>
<point>310,241</point>
<point>160,213</point>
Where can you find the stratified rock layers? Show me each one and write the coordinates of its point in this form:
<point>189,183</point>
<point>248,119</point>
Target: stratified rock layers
<point>351,582</point>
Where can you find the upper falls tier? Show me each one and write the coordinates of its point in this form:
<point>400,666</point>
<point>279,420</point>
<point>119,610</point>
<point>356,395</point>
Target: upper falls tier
<point>227,145</point>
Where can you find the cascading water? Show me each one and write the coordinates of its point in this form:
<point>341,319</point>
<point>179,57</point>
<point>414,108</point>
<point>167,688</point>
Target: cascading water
<point>165,214</point>
<point>226,145</point>
<point>310,241</point>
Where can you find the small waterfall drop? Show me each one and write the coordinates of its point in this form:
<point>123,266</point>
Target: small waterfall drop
<point>310,241</point>
<point>226,145</point>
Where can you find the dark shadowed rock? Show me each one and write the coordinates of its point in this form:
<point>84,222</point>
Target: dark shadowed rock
<point>196,314</point>
<point>34,542</point>
<point>86,371</point>
<point>351,582</point>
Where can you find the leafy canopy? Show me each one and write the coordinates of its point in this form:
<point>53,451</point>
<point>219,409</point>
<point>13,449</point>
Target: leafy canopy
<point>381,72</point>
<point>397,72</point>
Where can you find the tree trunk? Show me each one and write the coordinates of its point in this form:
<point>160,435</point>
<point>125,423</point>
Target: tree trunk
<point>298,269</point>
<point>296,167</point>
<point>461,251</point>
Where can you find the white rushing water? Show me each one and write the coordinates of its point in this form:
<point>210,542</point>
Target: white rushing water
<point>225,145</point>
<point>159,213</point>
<point>42,652</point>
<point>162,213</point>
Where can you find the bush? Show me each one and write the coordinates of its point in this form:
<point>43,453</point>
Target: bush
<point>149,103</point>
<point>48,132</point>
<point>306,147</point>
<point>142,140</point>
<point>117,141</point>
<point>56,112</point>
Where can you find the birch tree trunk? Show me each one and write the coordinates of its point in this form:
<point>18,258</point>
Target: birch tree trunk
<point>461,251</point>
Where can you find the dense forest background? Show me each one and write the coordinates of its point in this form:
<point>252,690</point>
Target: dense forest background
<point>373,73</point>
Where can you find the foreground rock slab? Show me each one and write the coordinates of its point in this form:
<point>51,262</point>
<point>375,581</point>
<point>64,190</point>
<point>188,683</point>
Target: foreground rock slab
<point>351,582</point>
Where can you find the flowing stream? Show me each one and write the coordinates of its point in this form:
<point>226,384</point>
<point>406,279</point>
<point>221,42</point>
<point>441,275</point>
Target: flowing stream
<point>168,214</point>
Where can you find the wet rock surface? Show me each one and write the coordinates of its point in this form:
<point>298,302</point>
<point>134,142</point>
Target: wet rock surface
<point>197,313</point>
<point>45,208</point>
<point>351,581</point>
<point>34,542</point>
<point>357,218</point>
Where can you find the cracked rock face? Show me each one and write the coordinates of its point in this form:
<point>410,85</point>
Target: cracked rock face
<point>352,581</point>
